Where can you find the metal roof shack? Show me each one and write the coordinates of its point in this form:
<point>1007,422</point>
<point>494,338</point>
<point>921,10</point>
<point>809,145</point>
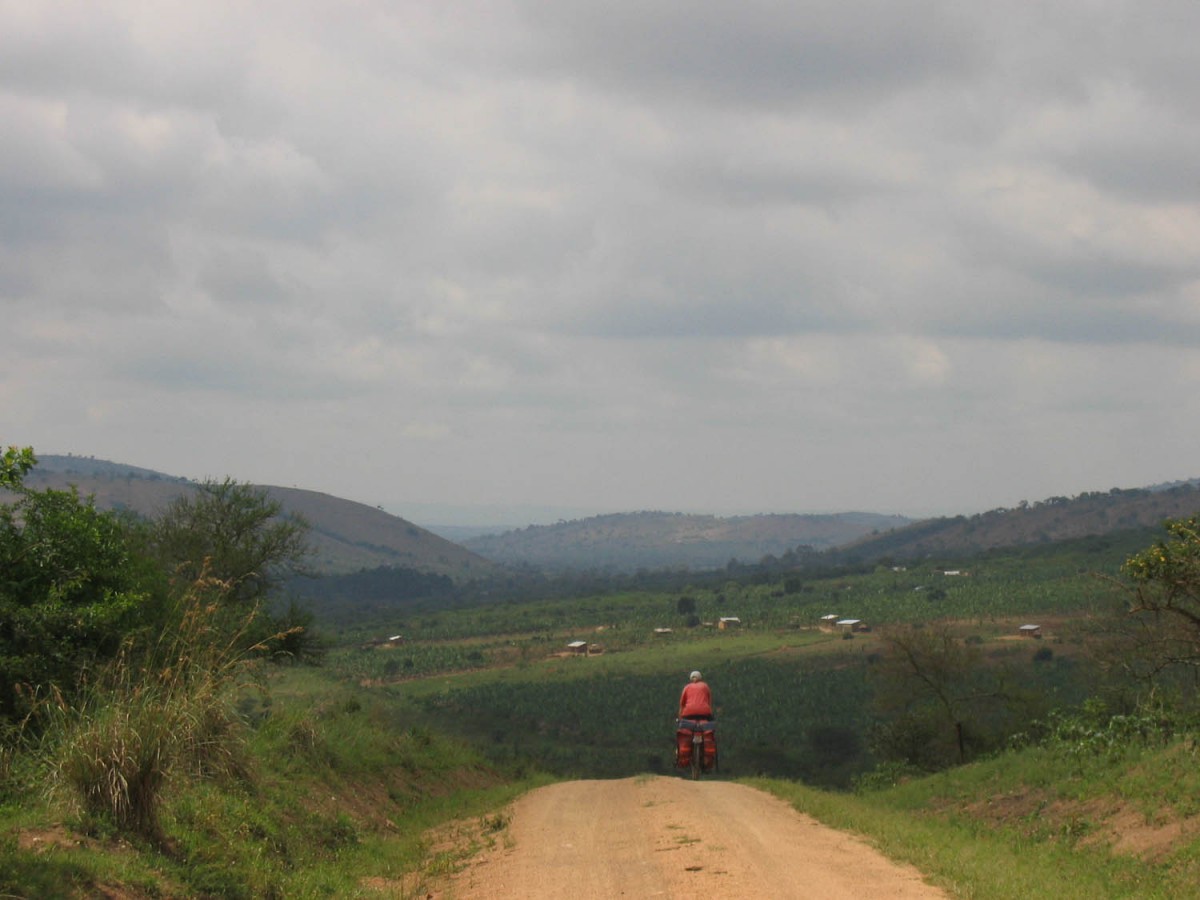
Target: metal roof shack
<point>1032,631</point>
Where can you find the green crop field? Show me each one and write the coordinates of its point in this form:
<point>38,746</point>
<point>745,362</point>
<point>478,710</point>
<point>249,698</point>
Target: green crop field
<point>793,701</point>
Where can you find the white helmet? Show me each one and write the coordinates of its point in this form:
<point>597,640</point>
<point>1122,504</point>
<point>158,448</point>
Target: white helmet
<point>695,676</point>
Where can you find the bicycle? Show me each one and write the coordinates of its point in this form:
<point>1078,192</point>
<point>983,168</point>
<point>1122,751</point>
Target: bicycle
<point>696,746</point>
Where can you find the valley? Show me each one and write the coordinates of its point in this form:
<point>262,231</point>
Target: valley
<point>969,711</point>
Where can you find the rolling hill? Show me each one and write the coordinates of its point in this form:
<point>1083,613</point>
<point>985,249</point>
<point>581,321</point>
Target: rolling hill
<point>351,537</point>
<point>346,536</point>
<point>656,540</point>
<point>1055,519</point>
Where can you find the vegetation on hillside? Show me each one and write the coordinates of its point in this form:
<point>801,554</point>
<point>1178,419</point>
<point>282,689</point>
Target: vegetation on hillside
<point>124,645</point>
<point>1043,522</point>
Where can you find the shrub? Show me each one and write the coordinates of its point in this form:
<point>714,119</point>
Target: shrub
<point>72,587</point>
<point>1093,732</point>
<point>148,718</point>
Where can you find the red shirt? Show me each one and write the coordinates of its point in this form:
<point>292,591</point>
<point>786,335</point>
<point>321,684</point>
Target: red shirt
<point>696,700</point>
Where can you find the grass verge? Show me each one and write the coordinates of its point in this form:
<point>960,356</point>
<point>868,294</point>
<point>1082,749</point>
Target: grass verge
<point>1034,823</point>
<point>337,798</point>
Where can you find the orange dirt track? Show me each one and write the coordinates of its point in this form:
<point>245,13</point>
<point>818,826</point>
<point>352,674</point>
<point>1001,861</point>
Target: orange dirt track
<point>670,837</point>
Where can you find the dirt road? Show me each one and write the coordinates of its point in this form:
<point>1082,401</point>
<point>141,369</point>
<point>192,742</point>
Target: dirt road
<point>670,837</point>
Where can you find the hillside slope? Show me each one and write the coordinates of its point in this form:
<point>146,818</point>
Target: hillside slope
<point>346,536</point>
<point>629,541</point>
<point>1055,519</point>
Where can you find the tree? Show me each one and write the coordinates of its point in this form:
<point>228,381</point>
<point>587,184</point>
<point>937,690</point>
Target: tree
<point>15,463</point>
<point>235,533</point>
<point>1162,633</point>
<point>942,702</point>
<point>238,535</point>
<point>73,588</point>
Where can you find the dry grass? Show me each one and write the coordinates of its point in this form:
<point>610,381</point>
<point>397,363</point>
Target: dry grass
<point>149,717</point>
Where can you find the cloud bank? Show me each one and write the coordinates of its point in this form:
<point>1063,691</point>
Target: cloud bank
<point>802,257</point>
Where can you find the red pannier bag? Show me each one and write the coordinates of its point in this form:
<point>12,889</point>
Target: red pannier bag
<point>683,748</point>
<point>683,742</point>
<point>710,749</point>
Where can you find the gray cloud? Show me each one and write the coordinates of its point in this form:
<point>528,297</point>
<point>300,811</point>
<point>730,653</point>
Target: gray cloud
<point>766,256</point>
<point>760,53</point>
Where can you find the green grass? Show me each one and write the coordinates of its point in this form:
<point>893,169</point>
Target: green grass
<point>1032,823</point>
<point>337,788</point>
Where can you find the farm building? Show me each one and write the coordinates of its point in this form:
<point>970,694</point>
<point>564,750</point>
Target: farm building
<point>1030,631</point>
<point>829,622</point>
<point>729,622</point>
<point>579,647</point>
<point>394,640</point>
<point>852,625</point>
<point>664,631</point>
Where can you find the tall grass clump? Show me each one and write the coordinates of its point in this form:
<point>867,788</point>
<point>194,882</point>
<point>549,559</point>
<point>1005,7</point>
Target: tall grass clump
<point>154,713</point>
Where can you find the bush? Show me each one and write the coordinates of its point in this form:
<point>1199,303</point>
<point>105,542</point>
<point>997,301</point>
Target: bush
<point>1093,732</point>
<point>147,719</point>
<point>72,588</point>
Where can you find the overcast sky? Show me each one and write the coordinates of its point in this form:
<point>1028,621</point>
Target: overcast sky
<point>920,258</point>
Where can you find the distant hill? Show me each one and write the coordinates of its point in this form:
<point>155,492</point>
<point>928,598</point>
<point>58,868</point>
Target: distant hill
<point>346,536</point>
<point>654,540</point>
<point>1054,519</point>
<point>351,537</point>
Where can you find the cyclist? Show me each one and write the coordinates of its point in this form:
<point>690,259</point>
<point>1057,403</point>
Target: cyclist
<point>696,700</point>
